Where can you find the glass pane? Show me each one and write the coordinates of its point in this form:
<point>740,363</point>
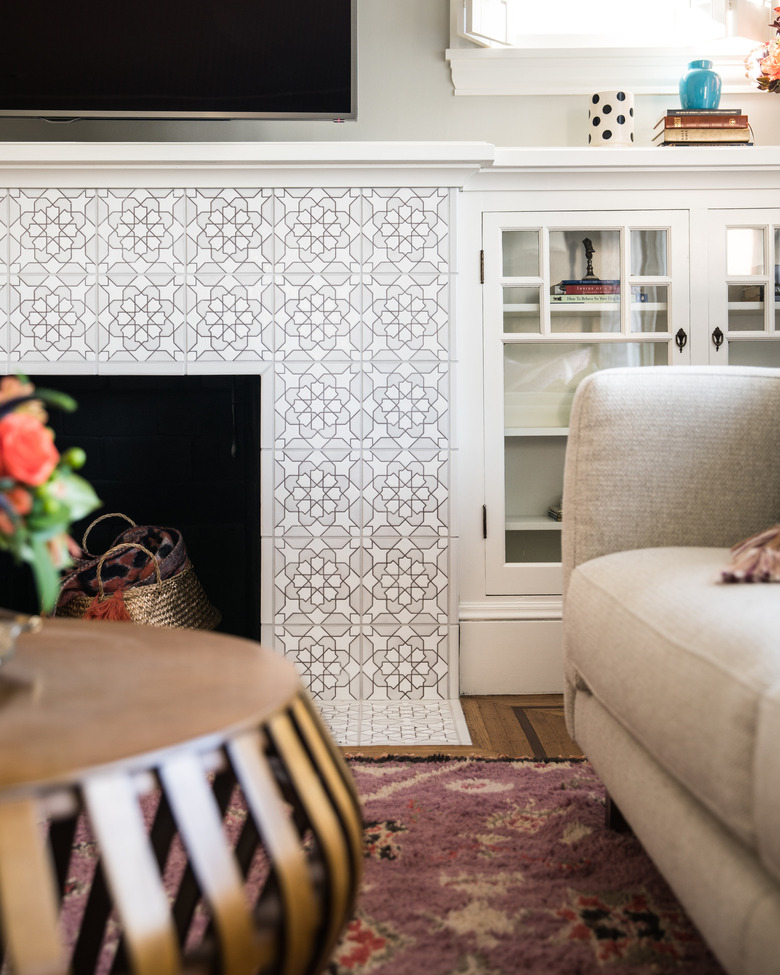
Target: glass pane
<point>540,379</point>
<point>533,546</point>
<point>585,313</point>
<point>648,252</point>
<point>582,256</point>
<point>744,250</point>
<point>520,249</point>
<point>521,310</point>
<point>649,309</point>
<point>745,307</point>
<point>754,354</point>
<point>534,475</point>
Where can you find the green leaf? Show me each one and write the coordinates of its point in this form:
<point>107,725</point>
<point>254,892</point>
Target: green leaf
<point>63,499</point>
<point>79,495</point>
<point>47,577</point>
<point>53,398</point>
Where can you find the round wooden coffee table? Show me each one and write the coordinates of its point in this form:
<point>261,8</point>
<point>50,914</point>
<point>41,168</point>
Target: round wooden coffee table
<point>98,719</point>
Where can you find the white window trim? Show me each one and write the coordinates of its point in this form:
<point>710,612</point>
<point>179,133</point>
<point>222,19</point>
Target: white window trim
<point>583,70</point>
<point>644,71</point>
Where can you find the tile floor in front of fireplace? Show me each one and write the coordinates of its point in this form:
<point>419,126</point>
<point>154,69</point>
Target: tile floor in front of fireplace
<point>395,722</point>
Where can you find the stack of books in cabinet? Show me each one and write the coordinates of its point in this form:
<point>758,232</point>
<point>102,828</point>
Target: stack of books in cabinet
<point>591,289</point>
<point>705,127</point>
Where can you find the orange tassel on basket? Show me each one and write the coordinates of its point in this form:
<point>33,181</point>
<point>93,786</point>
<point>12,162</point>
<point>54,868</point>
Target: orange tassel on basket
<point>109,608</point>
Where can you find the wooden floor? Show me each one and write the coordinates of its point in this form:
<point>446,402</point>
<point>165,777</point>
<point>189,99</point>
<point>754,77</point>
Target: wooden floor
<point>513,726</point>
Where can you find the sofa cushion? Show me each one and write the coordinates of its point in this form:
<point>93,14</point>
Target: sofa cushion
<point>685,663</point>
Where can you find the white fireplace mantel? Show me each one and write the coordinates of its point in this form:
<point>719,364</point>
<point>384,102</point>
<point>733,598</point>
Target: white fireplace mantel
<point>273,164</point>
<point>357,164</point>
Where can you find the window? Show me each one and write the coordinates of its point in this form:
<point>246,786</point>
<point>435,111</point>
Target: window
<point>506,46</point>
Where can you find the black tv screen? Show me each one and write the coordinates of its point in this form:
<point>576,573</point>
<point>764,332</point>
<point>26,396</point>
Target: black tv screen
<point>178,59</point>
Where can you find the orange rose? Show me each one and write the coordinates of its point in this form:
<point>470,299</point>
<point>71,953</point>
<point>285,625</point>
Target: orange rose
<point>27,451</point>
<point>770,64</point>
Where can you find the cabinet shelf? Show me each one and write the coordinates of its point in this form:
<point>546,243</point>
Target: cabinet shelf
<point>536,432</point>
<point>593,307</point>
<point>531,523</point>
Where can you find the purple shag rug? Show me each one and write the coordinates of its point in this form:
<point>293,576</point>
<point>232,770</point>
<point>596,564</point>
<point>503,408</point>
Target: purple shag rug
<point>496,867</point>
<point>474,867</point>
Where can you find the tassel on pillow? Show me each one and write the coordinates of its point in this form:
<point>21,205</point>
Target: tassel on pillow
<point>756,559</point>
<point>110,608</point>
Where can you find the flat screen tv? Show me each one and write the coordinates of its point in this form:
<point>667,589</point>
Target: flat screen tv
<point>179,59</point>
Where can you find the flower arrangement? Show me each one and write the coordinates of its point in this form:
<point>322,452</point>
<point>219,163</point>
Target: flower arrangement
<point>40,493</point>
<point>763,62</point>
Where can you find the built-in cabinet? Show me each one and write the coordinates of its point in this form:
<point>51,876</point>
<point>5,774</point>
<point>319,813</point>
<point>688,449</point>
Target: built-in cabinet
<point>745,281</point>
<point>564,295</point>
<point>583,269</point>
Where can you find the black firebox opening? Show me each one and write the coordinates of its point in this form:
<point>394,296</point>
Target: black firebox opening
<point>176,451</point>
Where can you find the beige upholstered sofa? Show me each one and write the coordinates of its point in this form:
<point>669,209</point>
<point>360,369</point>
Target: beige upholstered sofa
<point>673,677</point>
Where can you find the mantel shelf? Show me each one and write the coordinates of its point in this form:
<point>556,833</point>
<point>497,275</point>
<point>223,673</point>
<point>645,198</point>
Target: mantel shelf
<point>242,163</point>
<point>358,164</point>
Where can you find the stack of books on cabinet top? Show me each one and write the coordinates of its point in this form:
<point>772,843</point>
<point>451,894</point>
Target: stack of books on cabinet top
<point>704,127</point>
<point>591,289</point>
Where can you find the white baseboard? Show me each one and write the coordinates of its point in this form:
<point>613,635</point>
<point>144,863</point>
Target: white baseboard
<point>511,657</point>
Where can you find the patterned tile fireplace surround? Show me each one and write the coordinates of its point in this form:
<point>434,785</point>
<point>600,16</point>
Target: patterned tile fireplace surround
<point>329,271</point>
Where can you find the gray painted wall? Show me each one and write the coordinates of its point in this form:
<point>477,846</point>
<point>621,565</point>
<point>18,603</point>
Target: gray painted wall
<point>405,93</point>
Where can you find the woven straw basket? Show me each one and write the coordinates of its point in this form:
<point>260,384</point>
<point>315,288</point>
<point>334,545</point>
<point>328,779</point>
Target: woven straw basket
<point>178,601</point>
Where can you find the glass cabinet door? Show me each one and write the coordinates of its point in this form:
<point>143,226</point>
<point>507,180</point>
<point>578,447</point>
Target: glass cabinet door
<point>563,298</point>
<point>744,319</point>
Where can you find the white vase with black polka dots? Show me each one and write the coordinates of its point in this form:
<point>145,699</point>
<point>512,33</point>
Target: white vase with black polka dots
<point>611,119</point>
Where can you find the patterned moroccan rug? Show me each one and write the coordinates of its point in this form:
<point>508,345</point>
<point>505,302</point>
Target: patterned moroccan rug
<point>495,867</point>
<point>476,867</point>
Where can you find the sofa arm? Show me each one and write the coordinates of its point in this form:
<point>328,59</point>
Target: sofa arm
<point>670,455</point>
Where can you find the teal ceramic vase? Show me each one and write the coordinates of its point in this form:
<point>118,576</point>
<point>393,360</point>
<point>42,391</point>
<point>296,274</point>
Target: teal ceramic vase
<point>700,86</point>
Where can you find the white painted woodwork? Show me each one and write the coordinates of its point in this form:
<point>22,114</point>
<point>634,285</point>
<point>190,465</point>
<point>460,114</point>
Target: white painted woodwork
<point>510,634</point>
<point>710,186</point>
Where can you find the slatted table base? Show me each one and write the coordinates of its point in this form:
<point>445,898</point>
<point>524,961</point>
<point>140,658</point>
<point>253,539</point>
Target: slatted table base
<point>303,820</point>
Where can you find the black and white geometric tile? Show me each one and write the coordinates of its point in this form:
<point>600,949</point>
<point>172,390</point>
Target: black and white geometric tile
<point>52,231</point>
<point>341,298</point>
<point>52,318</point>
<point>142,231</point>
<point>230,317</point>
<point>229,231</point>
<point>141,318</point>
<point>406,491</point>
<point>355,723</point>
<point>319,231</point>
<point>407,318</point>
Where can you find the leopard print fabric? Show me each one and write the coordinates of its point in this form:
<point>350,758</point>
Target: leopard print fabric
<point>128,567</point>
